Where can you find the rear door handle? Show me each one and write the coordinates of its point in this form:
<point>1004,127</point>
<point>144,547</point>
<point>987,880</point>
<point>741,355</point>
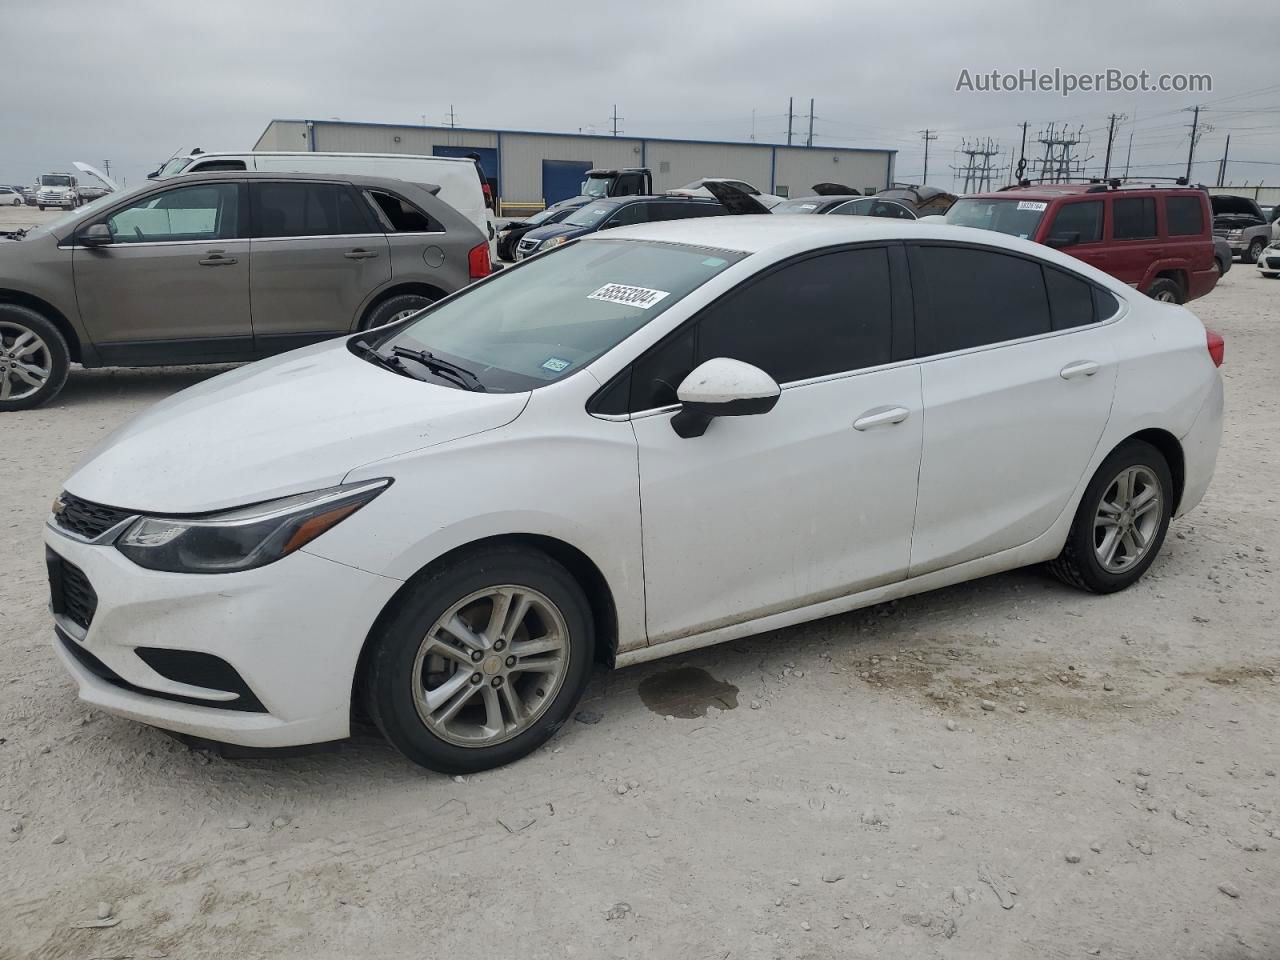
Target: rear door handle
<point>881,417</point>
<point>216,259</point>
<point>1080,368</point>
<point>359,253</point>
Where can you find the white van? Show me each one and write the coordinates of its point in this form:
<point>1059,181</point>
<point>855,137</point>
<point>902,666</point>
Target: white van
<point>458,178</point>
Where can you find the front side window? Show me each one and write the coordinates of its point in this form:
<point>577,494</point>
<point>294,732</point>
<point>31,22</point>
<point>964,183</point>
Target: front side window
<point>1185,216</point>
<point>306,209</point>
<point>553,315</point>
<point>1134,218</point>
<point>1017,218</point>
<point>977,297</point>
<point>1079,222</point>
<point>207,211</point>
<point>632,213</point>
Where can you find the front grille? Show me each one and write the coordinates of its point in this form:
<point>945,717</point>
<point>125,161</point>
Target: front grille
<point>1273,263</point>
<point>528,245</point>
<point>70,593</point>
<point>86,519</point>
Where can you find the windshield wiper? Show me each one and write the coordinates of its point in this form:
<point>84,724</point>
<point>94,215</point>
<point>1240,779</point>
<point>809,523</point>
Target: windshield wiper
<point>444,368</point>
<point>381,359</point>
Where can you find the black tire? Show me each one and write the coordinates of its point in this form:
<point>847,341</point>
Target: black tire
<point>388,309</point>
<point>1167,290</point>
<point>388,677</point>
<point>14,319</point>
<point>1255,250</point>
<point>1078,563</point>
<point>42,208</point>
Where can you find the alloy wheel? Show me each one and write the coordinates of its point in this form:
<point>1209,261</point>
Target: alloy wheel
<point>1127,519</point>
<point>490,666</point>
<point>26,363</point>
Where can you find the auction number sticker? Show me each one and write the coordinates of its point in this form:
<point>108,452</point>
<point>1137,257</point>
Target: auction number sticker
<point>1038,205</point>
<point>642,297</point>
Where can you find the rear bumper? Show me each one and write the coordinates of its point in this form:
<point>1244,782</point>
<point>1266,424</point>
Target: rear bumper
<point>1201,282</point>
<point>1200,449</point>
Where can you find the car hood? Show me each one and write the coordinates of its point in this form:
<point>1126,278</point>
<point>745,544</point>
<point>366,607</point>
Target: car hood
<point>298,422</point>
<point>555,230</point>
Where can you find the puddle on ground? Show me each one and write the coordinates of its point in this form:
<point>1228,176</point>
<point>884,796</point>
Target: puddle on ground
<point>686,692</point>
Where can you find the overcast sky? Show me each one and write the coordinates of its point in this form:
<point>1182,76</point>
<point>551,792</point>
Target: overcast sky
<point>134,81</point>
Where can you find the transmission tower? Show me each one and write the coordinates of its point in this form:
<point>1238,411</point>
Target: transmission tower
<point>978,170</point>
<point>1061,161</point>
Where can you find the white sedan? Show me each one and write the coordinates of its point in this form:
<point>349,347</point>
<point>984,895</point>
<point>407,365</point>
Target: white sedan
<point>647,441</point>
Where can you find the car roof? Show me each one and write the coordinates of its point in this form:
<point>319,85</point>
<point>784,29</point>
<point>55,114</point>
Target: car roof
<point>1054,191</point>
<point>320,153</point>
<point>356,178</point>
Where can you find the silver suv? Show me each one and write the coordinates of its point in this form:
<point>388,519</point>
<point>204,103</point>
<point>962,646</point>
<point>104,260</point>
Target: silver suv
<point>222,267</point>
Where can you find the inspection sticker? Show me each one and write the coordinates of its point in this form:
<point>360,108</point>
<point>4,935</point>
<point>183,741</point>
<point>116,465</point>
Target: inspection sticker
<point>641,297</point>
<point>1032,205</point>
<point>555,364</point>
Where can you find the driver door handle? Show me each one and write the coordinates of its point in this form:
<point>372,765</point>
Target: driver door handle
<point>881,417</point>
<point>359,253</point>
<point>216,259</point>
<point>1080,368</point>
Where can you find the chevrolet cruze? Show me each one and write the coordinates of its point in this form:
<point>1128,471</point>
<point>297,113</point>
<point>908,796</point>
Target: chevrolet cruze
<point>644,442</point>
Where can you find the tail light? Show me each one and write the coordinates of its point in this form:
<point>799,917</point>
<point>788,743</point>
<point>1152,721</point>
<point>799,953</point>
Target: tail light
<point>478,264</point>
<point>1217,346</point>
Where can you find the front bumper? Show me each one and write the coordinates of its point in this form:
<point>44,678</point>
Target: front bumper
<point>292,631</point>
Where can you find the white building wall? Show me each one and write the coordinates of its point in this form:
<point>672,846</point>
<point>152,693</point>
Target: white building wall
<point>675,163</point>
<point>799,168</point>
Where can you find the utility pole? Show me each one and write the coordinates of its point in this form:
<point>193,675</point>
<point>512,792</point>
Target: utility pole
<point>615,118</point>
<point>791,102</point>
<point>1222,168</point>
<point>926,135</point>
<point>453,117</point>
<point>809,141</point>
<point>1191,150</point>
<point>1111,135</point>
<point>106,164</point>
<point>1129,156</point>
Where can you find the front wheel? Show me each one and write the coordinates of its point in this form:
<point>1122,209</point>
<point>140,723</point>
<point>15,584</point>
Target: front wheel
<point>481,661</point>
<point>1255,250</point>
<point>1121,522</point>
<point>34,360</point>
<point>395,308</point>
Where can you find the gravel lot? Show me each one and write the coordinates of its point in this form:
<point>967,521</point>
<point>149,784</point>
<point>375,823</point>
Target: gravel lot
<point>832,790</point>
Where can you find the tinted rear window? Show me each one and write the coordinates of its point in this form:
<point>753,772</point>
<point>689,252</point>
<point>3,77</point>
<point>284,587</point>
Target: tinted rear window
<point>1185,216</point>
<point>306,210</point>
<point>1070,299</point>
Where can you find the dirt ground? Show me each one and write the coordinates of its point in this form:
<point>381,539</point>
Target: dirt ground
<point>832,790</point>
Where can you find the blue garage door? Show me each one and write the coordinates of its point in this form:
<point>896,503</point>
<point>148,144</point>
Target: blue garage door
<point>488,157</point>
<point>562,179</point>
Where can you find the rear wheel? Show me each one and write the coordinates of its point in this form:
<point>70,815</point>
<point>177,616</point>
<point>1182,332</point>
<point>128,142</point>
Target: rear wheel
<point>481,662</point>
<point>1121,522</point>
<point>1165,290</point>
<point>395,308</point>
<point>34,359</point>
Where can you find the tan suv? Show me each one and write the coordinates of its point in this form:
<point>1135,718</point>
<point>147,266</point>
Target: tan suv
<point>222,267</point>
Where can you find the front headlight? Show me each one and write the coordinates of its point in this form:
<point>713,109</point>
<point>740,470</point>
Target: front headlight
<point>245,537</point>
<point>553,242</point>
<point>1235,234</point>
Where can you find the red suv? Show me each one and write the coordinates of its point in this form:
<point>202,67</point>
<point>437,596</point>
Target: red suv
<point>1157,239</point>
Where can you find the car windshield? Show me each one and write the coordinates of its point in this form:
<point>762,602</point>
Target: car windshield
<point>55,181</point>
<point>590,215</point>
<point>1018,218</point>
<point>596,187</point>
<point>543,216</point>
<point>799,205</point>
<point>174,167</point>
<point>551,316</point>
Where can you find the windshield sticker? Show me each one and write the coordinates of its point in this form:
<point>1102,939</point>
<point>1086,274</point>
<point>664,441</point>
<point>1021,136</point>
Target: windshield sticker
<point>641,297</point>
<point>1032,205</point>
<point>714,262</point>
<point>555,364</point>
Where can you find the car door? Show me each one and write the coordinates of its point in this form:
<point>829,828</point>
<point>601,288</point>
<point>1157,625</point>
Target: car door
<point>173,284</point>
<point>317,254</point>
<point>811,501</point>
<point>1018,373</point>
<point>1135,242</point>
<point>1077,229</point>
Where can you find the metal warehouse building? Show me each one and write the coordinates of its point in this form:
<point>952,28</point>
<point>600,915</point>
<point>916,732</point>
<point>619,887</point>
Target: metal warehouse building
<point>529,170</point>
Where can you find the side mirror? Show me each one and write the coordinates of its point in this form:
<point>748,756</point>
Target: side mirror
<point>95,235</point>
<point>722,388</point>
<point>1060,240</point>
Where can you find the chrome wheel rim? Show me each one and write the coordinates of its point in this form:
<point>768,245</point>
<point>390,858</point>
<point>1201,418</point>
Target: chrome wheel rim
<point>1127,519</point>
<point>26,363</point>
<point>489,668</point>
<point>402,314</point>
<point>1166,296</point>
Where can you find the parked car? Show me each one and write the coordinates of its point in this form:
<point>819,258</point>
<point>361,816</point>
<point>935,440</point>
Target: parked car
<point>29,195</point>
<point>700,188</point>
<point>1156,239</point>
<point>460,179</point>
<point>11,196</point>
<point>1240,221</point>
<point>924,201</point>
<point>779,419</point>
<point>1222,255</point>
<point>57,190</point>
<point>510,233</point>
<point>1269,261</point>
<point>219,267</point>
<point>847,205</point>
<point>610,213</point>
